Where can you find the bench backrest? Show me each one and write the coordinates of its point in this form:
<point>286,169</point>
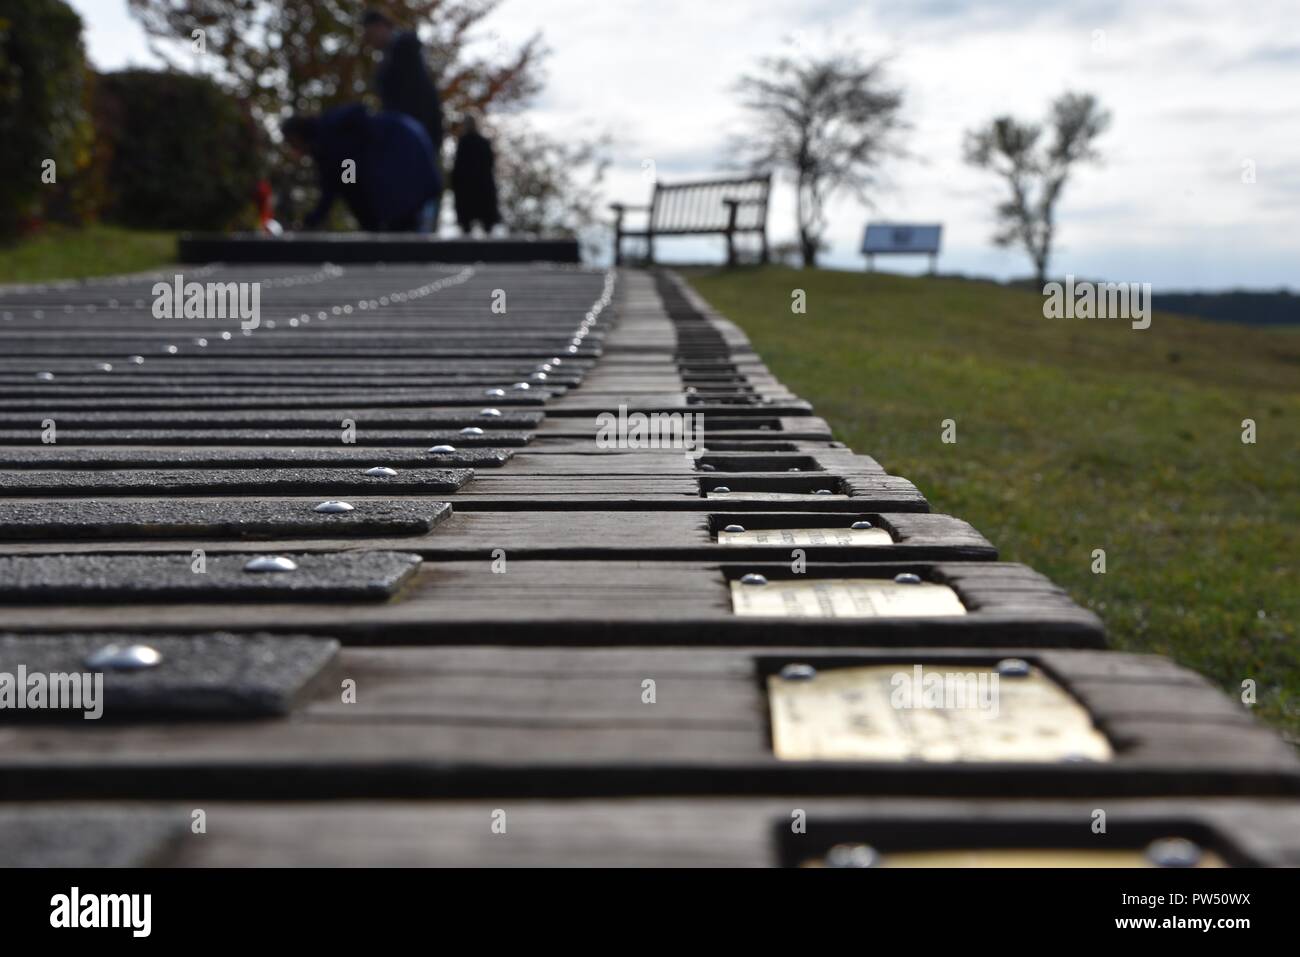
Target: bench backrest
<point>700,207</point>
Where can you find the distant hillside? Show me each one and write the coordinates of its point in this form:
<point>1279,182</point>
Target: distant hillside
<point>1278,308</point>
<point>1254,308</point>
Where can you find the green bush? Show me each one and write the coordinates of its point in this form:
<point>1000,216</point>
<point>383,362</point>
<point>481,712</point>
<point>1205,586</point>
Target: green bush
<point>43,114</point>
<point>179,152</point>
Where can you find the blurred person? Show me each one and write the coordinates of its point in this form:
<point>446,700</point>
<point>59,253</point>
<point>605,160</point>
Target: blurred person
<point>393,176</point>
<point>474,179</point>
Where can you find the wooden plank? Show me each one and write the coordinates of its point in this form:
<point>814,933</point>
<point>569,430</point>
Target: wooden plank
<point>630,602</point>
<point>572,723</point>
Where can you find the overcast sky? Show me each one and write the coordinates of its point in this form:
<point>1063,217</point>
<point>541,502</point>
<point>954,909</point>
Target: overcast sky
<point>1197,89</point>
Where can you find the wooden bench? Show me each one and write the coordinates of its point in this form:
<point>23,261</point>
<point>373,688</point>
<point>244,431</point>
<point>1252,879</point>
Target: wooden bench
<point>725,206</point>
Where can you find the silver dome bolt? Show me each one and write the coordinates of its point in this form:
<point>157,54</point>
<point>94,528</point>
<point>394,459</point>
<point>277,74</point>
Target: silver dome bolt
<point>270,563</point>
<point>442,449</point>
<point>1173,852</point>
<point>123,658</point>
<point>860,525</point>
<point>734,528</point>
<point>1013,668</point>
<point>334,508</point>
<point>381,471</point>
<point>797,672</point>
<point>753,578</point>
<point>907,578</point>
<point>852,855</point>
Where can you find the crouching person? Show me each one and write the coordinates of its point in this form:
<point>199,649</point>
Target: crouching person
<point>380,165</point>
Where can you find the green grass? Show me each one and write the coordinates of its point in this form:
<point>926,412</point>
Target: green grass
<point>62,253</point>
<point>1072,435</point>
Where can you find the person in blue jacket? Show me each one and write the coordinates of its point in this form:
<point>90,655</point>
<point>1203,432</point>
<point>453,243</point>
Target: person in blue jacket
<point>381,165</point>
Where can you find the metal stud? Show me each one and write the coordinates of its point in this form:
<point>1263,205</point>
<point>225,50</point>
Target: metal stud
<point>381,471</point>
<point>1013,668</point>
<point>860,525</point>
<point>45,376</point>
<point>334,508</point>
<point>721,489</point>
<point>852,855</point>
<point>1173,852</point>
<point>171,350</point>
<point>270,563</point>
<point>734,529</point>
<point>753,578</point>
<point>123,658</point>
<point>442,449</point>
<point>201,342</point>
<point>706,467</point>
<point>798,672</point>
<point>490,413</point>
<point>823,491</point>
<point>137,360</point>
<point>521,386</point>
<point>496,393</point>
<point>104,366</point>
<point>907,578</point>
<point>471,430</point>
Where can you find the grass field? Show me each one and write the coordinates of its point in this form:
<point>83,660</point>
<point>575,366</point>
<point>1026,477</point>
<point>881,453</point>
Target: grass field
<point>1072,435</point>
<point>62,253</point>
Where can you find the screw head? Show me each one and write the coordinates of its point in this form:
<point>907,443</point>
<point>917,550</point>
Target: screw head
<point>45,376</point>
<point>496,393</point>
<point>753,578</point>
<point>721,489</point>
<point>823,491</point>
<point>171,350</point>
<point>907,578</point>
<point>270,563</point>
<point>104,366</point>
<point>334,508</point>
<point>706,467</point>
<point>1173,852</point>
<point>797,671</point>
<point>471,430</point>
<point>1013,668</point>
<point>852,855</point>
<point>521,387</point>
<point>117,657</point>
<point>201,342</point>
<point>860,525</point>
<point>490,413</point>
<point>442,449</point>
<point>137,360</point>
<point>734,528</point>
<point>381,471</point>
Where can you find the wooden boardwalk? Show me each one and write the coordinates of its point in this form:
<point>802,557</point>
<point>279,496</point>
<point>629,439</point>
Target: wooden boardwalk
<point>410,574</point>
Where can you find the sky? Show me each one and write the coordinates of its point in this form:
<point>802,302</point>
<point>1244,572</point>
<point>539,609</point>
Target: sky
<point>1201,92</point>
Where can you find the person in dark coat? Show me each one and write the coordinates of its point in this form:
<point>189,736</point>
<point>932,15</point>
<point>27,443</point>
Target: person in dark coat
<point>402,80</point>
<point>393,177</point>
<point>474,179</point>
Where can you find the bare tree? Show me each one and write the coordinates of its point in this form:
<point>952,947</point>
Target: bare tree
<point>1037,177</point>
<point>827,120</point>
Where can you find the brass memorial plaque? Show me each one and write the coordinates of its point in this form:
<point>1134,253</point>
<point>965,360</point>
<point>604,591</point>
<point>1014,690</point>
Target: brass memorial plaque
<point>844,598</point>
<point>774,496</point>
<point>1019,857</point>
<point>933,713</point>
<point>795,537</point>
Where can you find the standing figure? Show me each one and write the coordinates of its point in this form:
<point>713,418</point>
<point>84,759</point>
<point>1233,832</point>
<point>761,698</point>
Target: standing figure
<point>474,179</point>
<point>404,84</point>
